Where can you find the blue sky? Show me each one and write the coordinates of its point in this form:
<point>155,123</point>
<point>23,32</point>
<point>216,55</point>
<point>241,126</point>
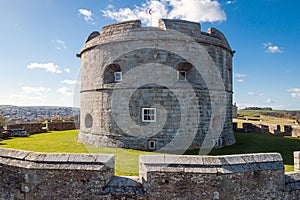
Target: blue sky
<point>39,41</point>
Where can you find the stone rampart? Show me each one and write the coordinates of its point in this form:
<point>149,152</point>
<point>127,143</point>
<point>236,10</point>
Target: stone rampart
<point>1,131</point>
<point>60,126</point>
<point>42,127</point>
<point>29,127</point>
<point>273,129</point>
<point>30,175</point>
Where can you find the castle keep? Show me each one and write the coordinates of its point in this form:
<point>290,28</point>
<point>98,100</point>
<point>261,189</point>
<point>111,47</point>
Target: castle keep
<point>152,88</point>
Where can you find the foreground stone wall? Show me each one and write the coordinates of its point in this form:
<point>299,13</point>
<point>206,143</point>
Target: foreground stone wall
<point>29,175</point>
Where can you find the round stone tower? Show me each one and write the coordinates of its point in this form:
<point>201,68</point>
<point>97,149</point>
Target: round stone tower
<point>165,88</point>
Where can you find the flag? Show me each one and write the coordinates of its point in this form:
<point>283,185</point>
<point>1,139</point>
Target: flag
<point>150,11</point>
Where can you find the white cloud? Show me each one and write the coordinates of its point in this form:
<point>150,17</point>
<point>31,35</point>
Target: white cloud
<point>239,75</point>
<point>68,70</point>
<point>192,10</point>
<point>60,44</point>
<point>71,82</point>
<point>23,97</point>
<point>269,101</point>
<point>270,48</point>
<point>87,15</point>
<point>35,90</point>
<point>295,92</point>
<point>65,91</point>
<point>256,94</point>
<point>49,67</point>
<point>231,2</point>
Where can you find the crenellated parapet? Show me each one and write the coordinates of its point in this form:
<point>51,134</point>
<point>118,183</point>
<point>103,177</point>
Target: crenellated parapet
<point>129,30</point>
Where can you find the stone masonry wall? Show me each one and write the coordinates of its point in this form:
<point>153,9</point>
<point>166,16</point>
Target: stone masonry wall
<point>60,126</point>
<point>29,127</point>
<point>177,44</point>
<point>28,175</point>
<point>1,131</point>
<point>41,127</point>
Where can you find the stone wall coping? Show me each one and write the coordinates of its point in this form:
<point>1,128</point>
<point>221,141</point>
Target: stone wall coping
<point>296,154</point>
<point>54,160</point>
<point>211,164</point>
<point>292,181</point>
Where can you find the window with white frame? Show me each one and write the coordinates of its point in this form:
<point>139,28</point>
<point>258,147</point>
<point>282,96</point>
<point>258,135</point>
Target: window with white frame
<point>149,115</point>
<point>118,76</point>
<point>181,75</point>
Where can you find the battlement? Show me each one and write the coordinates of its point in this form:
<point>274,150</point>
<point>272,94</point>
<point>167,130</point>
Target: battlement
<point>31,175</point>
<point>133,30</point>
<point>121,27</point>
<point>185,27</point>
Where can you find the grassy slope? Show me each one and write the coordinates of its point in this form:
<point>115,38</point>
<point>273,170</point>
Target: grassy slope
<point>258,112</point>
<point>127,160</point>
<point>252,114</point>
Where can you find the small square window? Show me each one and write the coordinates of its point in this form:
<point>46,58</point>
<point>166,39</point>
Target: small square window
<point>181,75</point>
<point>118,76</point>
<point>148,115</point>
<point>152,145</point>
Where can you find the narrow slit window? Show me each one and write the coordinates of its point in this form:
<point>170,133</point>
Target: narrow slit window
<point>152,145</point>
<point>148,115</point>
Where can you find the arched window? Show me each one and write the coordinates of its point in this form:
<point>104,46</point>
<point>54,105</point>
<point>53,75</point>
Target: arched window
<point>112,74</point>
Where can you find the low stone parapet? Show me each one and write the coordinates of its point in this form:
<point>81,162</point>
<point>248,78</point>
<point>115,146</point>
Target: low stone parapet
<point>213,177</point>
<point>30,175</point>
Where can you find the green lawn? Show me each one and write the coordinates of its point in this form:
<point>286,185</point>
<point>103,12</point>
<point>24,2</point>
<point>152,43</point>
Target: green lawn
<point>127,160</point>
<point>262,143</point>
